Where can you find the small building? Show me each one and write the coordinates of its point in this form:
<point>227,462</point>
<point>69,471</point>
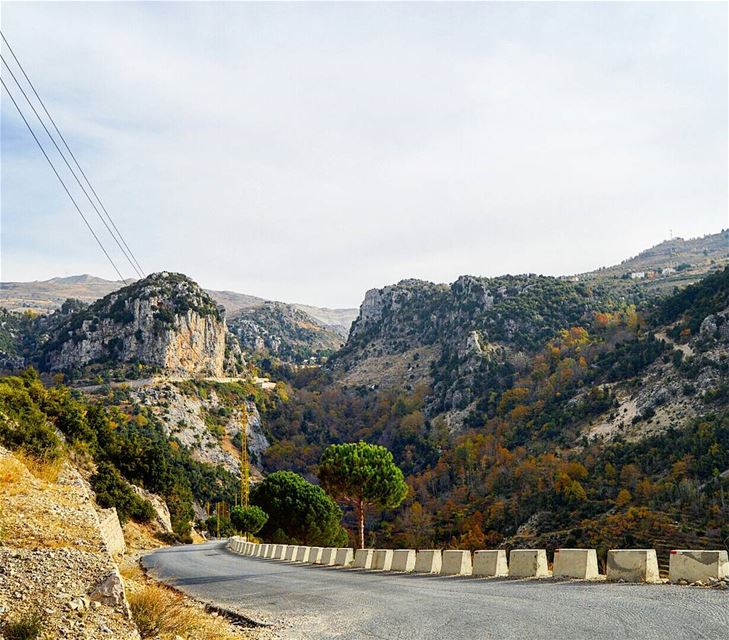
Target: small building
<point>264,383</point>
<point>637,275</point>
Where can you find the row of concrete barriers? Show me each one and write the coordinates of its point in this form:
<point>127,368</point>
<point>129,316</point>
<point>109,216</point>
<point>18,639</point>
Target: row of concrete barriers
<point>627,565</point>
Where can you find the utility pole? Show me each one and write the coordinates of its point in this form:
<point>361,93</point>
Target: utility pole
<point>245,471</point>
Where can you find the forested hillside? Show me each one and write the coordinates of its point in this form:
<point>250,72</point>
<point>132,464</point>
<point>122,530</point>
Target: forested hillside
<point>592,419</point>
<point>117,440</point>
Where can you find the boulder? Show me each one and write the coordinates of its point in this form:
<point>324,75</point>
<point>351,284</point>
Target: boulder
<point>110,591</point>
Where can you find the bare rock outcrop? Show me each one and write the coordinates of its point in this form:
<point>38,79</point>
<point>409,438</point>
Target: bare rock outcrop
<point>164,321</point>
<point>161,512</point>
<point>206,425</point>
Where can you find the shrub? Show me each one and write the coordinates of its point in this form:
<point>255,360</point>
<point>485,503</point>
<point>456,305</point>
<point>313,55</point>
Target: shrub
<point>27,626</point>
<point>22,424</point>
<point>113,491</point>
<point>160,612</point>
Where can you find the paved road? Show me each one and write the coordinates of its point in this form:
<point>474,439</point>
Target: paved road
<point>307,602</point>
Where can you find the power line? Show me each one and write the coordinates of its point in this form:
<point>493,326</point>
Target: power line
<point>83,173</point>
<point>63,184</point>
<point>70,168</point>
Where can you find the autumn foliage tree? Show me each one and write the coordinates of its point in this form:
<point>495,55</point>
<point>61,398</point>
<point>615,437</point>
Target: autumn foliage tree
<point>363,475</point>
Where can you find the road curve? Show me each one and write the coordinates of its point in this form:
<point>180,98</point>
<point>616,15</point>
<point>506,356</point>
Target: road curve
<point>312,602</point>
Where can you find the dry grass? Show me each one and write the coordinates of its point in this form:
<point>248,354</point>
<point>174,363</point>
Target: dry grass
<point>10,471</point>
<point>26,626</point>
<point>131,572</point>
<point>159,611</point>
<point>45,470</point>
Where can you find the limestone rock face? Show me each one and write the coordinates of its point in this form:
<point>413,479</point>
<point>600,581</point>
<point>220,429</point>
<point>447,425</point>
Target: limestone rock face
<point>164,321</point>
<point>111,531</point>
<point>186,417</point>
<point>161,512</point>
<point>716,326</point>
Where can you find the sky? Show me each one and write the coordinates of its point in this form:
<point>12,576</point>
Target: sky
<point>310,152</point>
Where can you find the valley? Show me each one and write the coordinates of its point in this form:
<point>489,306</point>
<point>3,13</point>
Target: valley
<point>523,411</point>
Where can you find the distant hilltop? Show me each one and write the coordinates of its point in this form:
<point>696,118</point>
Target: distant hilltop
<point>45,296</point>
<point>684,260</point>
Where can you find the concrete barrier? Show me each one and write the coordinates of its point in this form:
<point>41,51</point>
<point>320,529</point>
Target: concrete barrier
<point>575,563</point>
<point>315,555</point>
<point>698,566</point>
<point>403,560</point>
<point>266,552</point>
<point>328,556</point>
<point>490,563</point>
<point>632,565</point>
<point>344,557</point>
<point>428,561</point>
<point>302,554</point>
<point>291,552</point>
<point>257,549</point>
<point>456,563</point>
<point>528,563</point>
<point>382,560</point>
<point>363,558</point>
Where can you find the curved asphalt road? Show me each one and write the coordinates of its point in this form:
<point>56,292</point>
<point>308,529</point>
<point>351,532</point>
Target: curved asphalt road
<point>307,601</point>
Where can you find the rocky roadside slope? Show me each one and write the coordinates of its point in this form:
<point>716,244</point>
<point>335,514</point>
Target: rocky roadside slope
<point>54,559</point>
<point>70,564</point>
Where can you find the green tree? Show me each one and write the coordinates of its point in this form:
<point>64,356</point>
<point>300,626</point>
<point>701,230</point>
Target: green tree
<point>248,519</point>
<point>363,475</point>
<point>226,527</point>
<point>301,511</point>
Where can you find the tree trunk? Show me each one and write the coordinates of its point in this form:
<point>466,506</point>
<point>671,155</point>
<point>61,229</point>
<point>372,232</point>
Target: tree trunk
<point>361,520</point>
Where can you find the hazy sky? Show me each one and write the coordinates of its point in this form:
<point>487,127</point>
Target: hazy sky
<point>309,152</point>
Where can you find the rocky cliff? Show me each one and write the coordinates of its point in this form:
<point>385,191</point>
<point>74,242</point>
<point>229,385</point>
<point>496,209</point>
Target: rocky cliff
<point>205,421</point>
<point>163,321</point>
<point>455,336</point>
